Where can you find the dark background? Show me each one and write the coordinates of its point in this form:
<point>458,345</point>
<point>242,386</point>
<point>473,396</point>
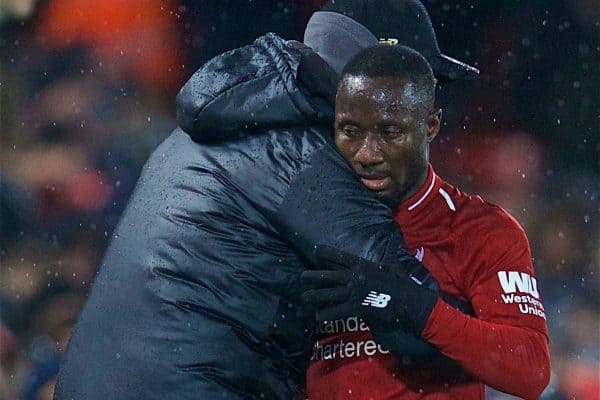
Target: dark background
<point>87,91</point>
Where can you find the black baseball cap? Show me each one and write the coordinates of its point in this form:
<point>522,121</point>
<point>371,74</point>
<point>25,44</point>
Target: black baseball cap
<point>404,22</point>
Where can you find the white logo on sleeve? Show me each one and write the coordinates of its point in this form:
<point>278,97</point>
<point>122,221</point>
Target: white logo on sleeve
<point>513,281</point>
<point>521,289</point>
<point>378,300</point>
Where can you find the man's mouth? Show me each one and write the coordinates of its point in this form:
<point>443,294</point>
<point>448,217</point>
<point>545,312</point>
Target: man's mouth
<point>376,183</point>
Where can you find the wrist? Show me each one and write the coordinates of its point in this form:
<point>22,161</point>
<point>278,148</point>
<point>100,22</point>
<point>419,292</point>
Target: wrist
<point>408,348</point>
<point>419,318</point>
<point>440,318</point>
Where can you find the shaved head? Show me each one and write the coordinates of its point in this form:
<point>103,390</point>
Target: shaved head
<point>398,62</point>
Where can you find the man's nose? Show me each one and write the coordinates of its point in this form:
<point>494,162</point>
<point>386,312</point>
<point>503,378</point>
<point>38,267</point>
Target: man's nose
<point>369,153</point>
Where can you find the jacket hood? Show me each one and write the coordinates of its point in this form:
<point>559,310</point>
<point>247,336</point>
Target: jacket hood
<point>248,89</point>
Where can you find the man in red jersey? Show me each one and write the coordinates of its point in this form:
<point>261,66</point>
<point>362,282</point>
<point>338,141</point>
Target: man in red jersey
<point>385,118</point>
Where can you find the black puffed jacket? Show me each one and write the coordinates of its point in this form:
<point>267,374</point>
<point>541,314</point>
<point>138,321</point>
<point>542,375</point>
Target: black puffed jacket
<point>197,296</point>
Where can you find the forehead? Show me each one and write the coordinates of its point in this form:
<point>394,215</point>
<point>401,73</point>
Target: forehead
<point>392,93</point>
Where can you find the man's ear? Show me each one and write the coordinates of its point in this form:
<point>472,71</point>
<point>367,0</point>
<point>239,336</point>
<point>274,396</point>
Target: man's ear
<point>434,121</point>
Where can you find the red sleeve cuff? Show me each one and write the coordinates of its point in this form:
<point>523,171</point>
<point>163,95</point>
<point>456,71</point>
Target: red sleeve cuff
<point>443,324</point>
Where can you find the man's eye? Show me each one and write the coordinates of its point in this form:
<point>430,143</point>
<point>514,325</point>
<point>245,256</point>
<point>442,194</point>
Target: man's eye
<point>392,133</point>
<point>350,131</point>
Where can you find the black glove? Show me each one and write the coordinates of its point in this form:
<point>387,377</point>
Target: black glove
<point>407,347</point>
<point>385,296</point>
<point>314,74</point>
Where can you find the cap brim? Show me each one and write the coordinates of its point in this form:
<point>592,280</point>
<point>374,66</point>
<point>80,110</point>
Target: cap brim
<point>452,69</point>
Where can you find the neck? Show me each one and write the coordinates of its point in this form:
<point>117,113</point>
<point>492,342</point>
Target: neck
<point>419,182</point>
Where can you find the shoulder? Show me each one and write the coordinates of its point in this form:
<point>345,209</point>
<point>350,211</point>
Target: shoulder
<point>281,151</point>
<point>487,238</point>
<point>300,141</point>
<point>480,220</point>
<point>485,234</point>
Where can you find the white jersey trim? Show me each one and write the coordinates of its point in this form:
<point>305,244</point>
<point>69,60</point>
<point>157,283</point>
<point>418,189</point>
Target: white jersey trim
<point>449,201</point>
<point>416,203</point>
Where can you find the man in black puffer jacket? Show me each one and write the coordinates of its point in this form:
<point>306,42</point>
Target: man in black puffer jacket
<point>198,295</point>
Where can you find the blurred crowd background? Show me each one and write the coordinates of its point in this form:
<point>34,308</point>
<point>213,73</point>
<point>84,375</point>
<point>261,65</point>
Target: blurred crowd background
<point>87,91</point>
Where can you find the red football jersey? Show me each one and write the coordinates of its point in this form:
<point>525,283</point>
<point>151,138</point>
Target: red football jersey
<point>477,252</point>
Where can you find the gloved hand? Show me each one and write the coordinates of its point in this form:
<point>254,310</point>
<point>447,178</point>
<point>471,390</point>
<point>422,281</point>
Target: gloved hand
<point>314,74</point>
<point>408,348</point>
<point>385,296</point>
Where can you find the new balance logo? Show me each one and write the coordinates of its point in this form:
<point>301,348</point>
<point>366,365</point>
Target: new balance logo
<point>378,300</point>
